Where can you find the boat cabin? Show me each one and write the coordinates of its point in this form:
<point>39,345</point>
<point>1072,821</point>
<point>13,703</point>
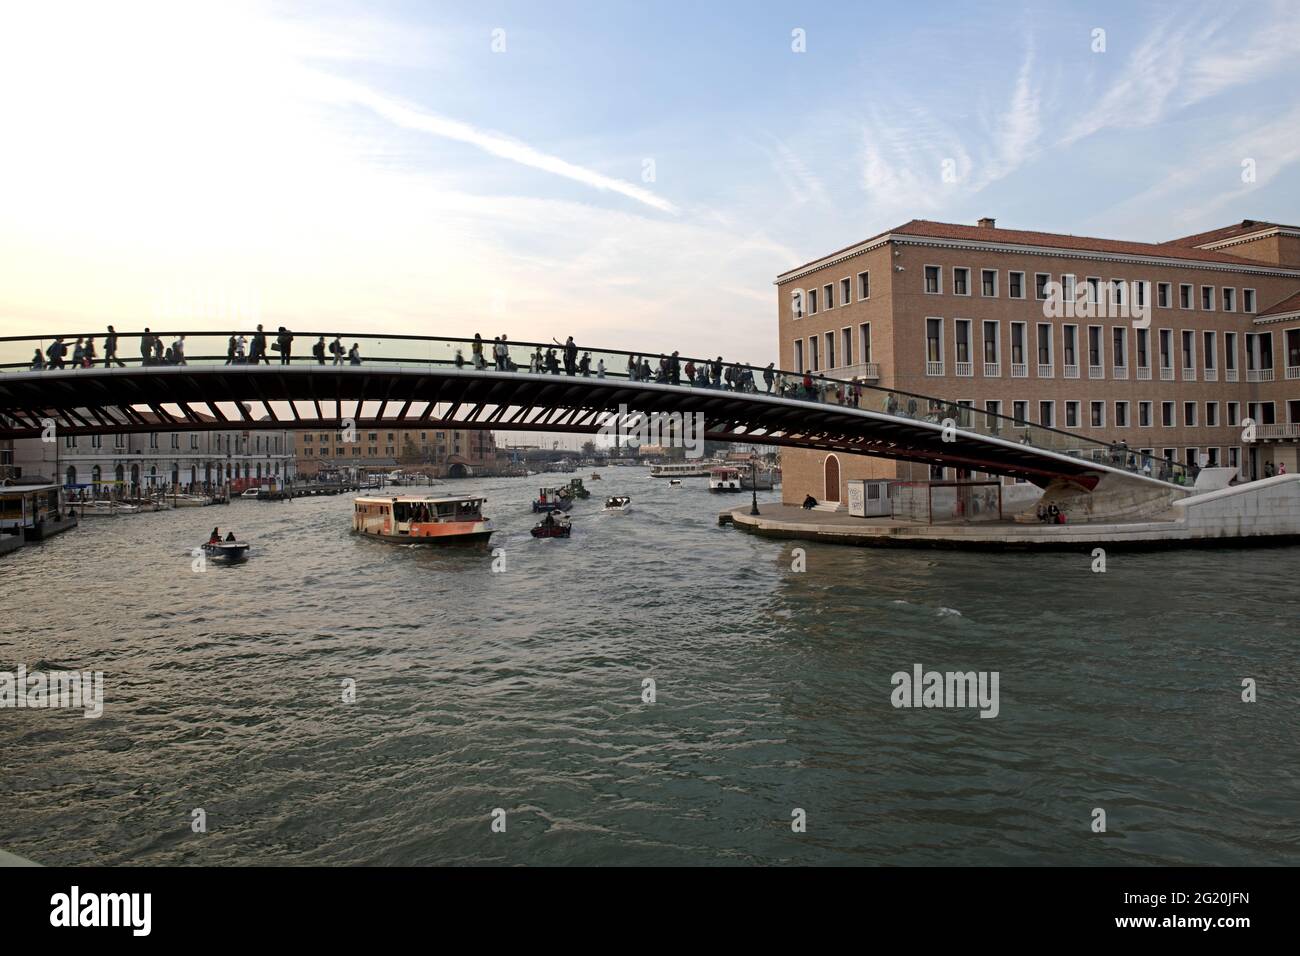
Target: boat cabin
<point>420,516</point>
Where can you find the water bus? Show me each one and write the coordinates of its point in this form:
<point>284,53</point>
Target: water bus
<point>724,479</point>
<point>421,519</point>
<point>682,469</point>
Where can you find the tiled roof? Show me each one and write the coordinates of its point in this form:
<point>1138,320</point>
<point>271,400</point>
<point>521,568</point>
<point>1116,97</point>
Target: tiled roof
<point>1244,228</point>
<point>1289,304</point>
<point>1057,240</point>
<point>1052,240</point>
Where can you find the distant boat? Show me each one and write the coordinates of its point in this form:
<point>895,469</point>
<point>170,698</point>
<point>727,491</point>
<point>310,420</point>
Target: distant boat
<point>552,499</point>
<point>100,508</point>
<point>252,492</point>
<point>675,483</point>
<point>696,469</point>
<point>618,505</point>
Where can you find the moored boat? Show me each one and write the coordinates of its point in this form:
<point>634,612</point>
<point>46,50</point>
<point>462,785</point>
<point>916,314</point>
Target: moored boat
<point>421,519</point>
<point>99,508</point>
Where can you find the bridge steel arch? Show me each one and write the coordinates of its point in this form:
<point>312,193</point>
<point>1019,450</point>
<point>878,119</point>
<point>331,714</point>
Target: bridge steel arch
<point>307,396</point>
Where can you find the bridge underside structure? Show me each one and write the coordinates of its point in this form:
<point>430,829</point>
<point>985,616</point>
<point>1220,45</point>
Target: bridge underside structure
<point>314,397</point>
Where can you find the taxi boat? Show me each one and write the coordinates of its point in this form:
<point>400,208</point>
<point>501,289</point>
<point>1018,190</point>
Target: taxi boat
<point>421,519</point>
<point>724,479</point>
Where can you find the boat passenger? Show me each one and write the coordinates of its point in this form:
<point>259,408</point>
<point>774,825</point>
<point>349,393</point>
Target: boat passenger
<point>216,536</point>
<point>230,536</point>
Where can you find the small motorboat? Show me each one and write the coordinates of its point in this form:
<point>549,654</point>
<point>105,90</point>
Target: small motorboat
<point>594,477</point>
<point>618,505</point>
<point>554,528</point>
<point>231,552</point>
<point>552,499</point>
<point>251,493</point>
<point>99,508</point>
<point>674,483</point>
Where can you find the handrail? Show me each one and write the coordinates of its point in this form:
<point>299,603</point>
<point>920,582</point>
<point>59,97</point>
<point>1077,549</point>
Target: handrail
<point>998,424</point>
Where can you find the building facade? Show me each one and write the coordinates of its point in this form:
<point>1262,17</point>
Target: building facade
<point>986,317</point>
<point>439,452</point>
<point>143,463</point>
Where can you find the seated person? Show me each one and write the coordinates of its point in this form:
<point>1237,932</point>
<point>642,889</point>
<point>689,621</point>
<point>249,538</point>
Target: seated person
<point>230,536</point>
<point>809,503</point>
<point>216,536</point>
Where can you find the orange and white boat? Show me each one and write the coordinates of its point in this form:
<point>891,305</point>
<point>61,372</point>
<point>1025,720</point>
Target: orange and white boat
<point>421,519</point>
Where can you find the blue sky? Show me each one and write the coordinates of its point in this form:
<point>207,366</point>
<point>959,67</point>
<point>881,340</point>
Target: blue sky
<point>382,167</point>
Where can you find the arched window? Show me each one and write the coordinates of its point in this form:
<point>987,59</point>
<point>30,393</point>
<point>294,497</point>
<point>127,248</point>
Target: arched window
<point>71,475</point>
<point>97,476</point>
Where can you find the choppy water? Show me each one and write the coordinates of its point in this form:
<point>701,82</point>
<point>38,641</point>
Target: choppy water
<point>522,690</point>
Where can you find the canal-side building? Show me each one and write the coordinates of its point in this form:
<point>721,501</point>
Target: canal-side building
<point>972,314</point>
<point>135,463</point>
<point>439,452</point>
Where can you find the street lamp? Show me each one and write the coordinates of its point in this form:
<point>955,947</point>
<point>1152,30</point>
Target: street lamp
<point>753,486</point>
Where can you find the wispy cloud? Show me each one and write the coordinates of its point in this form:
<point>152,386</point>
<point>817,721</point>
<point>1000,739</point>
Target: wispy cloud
<point>408,116</point>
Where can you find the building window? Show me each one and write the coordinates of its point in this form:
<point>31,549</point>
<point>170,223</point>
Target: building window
<point>1094,346</point>
<point>1047,414</point>
<point>989,282</point>
<point>1248,300</point>
<point>1144,414</point>
<point>830,350</point>
<point>1119,347</point>
<point>1189,353</point>
<point>1162,295</point>
<point>1229,300</point>
<point>1189,414</point>
<point>1097,414</point>
<point>796,303</point>
<point>1211,414</point>
<point>1071,414</point>
<point>1230,355</point>
<point>1020,412</point>
<point>1017,344</point>
<point>1167,414</point>
<point>1184,296</point>
<point>961,328</point>
<point>1234,413</point>
<point>1070,341</point>
<point>934,346</point>
<point>992,414</point>
<point>1017,285</point>
<point>846,291</point>
<point>1117,291</point>
<point>846,339</point>
<point>864,285</point>
<point>1166,347</point>
<point>1121,414</point>
<point>864,336</point>
<point>829,291</point>
<point>1045,347</point>
<point>1067,287</point>
<point>960,281</point>
<point>1094,290</point>
<point>1207,298</point>
<point>932,280</point>
<point>813,354</point>
<point>798,355</point>
<point>1040,285</point>
<point>991,356</point>
<point>812,301</point>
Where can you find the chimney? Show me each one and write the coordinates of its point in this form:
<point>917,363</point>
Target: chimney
<point>987,223</point>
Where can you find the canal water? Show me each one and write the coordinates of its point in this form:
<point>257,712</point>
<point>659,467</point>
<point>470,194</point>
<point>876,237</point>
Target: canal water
<point>524,689</point>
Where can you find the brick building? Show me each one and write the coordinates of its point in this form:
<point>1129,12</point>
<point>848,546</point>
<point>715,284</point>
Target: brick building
<point>973,315</point>
<point>439,452</point>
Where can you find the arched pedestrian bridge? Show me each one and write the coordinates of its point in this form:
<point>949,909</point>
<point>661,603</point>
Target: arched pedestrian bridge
<point>416,381</point>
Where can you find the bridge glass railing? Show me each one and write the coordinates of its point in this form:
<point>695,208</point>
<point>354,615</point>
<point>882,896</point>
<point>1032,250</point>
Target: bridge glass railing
<point>541,358</point>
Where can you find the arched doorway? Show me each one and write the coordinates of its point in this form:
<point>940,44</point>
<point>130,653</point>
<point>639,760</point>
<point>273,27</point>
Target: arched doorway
<point>135,480</point>
<point>71,475</point>
<point>458,470</point>
<point>832,492</point>
<point>97,477</point>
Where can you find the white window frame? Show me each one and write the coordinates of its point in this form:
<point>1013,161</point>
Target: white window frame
<point>930,364</point>
<point>994,294</point>
<point>1150,410</point>
<point>1023,290</point>
<point>1191,296</point>
<point>1248,299</point>
<point>955,270</point>
<point>867,274</point>
<point>1164,295</point>
<point>1210,307</point>
<point>1228,298</point>
<point>925,278</point>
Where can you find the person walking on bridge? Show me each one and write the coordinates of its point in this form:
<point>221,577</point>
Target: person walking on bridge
<point>476,353</point>
<point>257,349</point>
<point>178,350</point>
<point>318,351</point>
<point>768,374</point>
<point>337,350</point>
<point>110,349</point>
<point>146,348</point>
<point>285,341</point>
<point>570,356</point>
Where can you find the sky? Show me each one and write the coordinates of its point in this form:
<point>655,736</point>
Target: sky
<point>633,174</point>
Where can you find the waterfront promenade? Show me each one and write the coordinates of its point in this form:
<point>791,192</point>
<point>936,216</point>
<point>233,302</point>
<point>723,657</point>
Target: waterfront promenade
<point>1262,512</point>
